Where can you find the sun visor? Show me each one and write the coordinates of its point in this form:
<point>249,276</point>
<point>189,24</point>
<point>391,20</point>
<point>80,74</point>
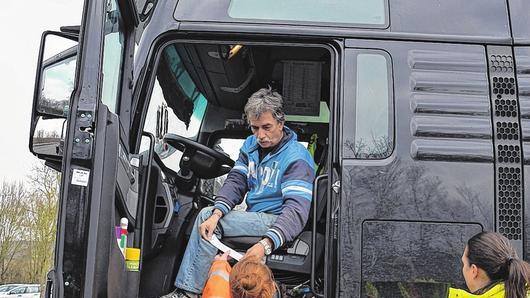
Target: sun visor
<point>226,80</point>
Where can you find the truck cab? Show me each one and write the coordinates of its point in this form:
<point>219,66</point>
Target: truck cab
<point>417,114</point>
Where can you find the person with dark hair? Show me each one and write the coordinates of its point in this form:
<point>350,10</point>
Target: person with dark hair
<point>249,278</point>
<point>274,174</point>
<point>491,268</point>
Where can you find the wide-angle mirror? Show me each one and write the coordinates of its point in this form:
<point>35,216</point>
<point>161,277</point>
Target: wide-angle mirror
<point>48,137</point>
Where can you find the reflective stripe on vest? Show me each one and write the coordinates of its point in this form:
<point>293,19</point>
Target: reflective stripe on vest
<point>221,273</point>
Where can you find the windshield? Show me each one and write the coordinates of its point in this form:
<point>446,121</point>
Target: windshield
<point>6,288</point>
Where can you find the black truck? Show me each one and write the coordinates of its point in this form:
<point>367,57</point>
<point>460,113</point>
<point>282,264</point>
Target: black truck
<point>417,113</point>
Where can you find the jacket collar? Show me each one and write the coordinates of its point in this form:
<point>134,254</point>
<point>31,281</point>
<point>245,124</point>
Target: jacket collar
<point>495,291</point>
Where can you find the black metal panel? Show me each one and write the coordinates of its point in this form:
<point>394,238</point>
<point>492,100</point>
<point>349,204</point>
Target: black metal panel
<point>450,17</point>
<point>449,104</point>
<point>407,245</point>
<point>451,127</point>
<point>477,19</point>
<point>452,150</point>
<point>74,267</point>
<point>217,11</point>
<point>440,175</point>
<point>520,19</point>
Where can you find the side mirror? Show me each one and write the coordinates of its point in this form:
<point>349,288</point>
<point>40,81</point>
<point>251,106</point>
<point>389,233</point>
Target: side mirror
<point>54,86</point>
<point>48,137</point>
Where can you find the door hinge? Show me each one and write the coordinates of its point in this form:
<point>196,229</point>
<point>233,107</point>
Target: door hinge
<point>85,127</point>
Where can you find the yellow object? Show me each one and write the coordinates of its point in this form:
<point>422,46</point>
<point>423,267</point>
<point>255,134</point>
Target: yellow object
<point>132,259</point>
<point>496,292</point>
<point>234,50</point>
<point>312,146</point>
<point>132,254</point>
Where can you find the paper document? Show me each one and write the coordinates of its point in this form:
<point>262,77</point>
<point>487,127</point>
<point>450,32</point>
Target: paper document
<point>234,254</point>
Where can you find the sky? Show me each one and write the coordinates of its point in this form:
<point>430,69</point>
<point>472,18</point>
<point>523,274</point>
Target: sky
<point>21,25</point>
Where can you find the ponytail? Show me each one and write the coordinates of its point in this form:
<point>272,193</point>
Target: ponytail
<point>517,279</point>
<point>493,253</point>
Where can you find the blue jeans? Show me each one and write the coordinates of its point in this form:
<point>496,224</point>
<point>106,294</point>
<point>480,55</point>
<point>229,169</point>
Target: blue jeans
<point>200,253</point>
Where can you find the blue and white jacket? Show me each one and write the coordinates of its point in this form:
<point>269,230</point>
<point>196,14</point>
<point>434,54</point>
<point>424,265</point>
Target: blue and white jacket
<point>282,184</point>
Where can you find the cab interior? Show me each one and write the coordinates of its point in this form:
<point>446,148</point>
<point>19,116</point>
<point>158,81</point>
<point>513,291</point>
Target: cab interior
<point>195,105</point>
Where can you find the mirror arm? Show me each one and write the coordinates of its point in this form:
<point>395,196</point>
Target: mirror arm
<point>54,164</point>
<point>72,30</point>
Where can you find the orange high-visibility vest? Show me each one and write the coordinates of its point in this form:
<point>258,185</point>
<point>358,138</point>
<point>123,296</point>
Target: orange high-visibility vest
<point>218,285</point>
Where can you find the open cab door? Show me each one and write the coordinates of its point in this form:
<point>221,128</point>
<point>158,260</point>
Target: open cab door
<point>85,144</point>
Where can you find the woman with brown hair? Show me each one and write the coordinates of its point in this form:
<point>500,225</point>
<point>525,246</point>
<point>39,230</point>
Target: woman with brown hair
<point>491,268</point>
<point>249,278</point>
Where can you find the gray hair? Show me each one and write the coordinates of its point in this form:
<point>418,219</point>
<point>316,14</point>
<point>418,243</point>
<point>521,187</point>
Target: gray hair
<point>262,101</point>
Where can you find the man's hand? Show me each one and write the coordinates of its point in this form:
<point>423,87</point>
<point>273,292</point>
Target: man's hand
<point>256,251</point>
<point>208,226</point>
<point>224,257</point>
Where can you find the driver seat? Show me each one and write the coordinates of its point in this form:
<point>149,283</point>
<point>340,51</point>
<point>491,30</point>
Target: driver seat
<point>296,255</point>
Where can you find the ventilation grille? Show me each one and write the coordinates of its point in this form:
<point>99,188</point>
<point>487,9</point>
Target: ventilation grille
<point>510,219</point>
<point>507,130</point>
<point>508,154</point>
<point>501,63</point>
<point>501,87</point>
<point>507,140</point>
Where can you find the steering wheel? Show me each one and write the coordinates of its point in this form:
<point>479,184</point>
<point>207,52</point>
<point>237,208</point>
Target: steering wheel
<point>205,162</point>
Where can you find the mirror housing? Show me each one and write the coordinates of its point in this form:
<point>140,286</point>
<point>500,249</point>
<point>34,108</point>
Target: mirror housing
<point>54,86</point>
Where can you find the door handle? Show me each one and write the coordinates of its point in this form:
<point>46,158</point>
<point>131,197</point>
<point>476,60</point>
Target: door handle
<point>336,187</point>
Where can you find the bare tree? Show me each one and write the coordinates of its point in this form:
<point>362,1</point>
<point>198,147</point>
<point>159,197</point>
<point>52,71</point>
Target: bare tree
<point>42,215</point>
<point>12,201</point>
<point>376,148</point>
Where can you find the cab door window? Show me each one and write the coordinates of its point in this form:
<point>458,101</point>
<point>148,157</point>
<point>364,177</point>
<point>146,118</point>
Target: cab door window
<point>113,50</point>
<point>176,106</point>
<point>371,106</point>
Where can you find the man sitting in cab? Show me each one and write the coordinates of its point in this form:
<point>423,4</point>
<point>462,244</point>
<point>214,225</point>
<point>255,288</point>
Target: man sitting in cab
<point>275,172</point>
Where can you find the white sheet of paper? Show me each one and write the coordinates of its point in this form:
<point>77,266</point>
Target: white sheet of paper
<point>80,177</point>
<point>234,254</point>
